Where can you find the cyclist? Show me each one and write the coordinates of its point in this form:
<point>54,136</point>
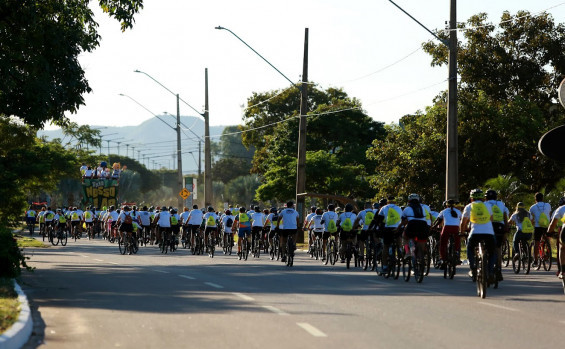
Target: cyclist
<point>125,222</point>
<point>49,217</point>
<point>363,220</point>
<point>480,217</point>
<point>390,214</point>
<point>559,216</point>
<point>451,219</point>
<point>227,223</point>
<point>415,222</point>
<point>60,221</point>
<point>41,219</point>
<point>500,216</point>
<point>243,225</point>
<point>30,219</point>
<point>175,224</point>
<point>316,227</point>
<point>271,225</point>
<point>76,218</point>
<point>306,227</point>
<point>257,223</point>
<point>524,226</point>
<point>347,234</point>
<point>184,224</point>
<point>541,212</point>
<point>210,228</point>
<point>145,218</point>
<point>110,220</point>
<point>163,222</point>
<point>88,221</point>
<point>291,220</point>
<point>194,218</point>
<point>329,220</point>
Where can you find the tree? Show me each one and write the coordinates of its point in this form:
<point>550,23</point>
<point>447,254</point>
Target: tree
<point>235,158</point>
<point>339,134</point>
<point>40,41</point>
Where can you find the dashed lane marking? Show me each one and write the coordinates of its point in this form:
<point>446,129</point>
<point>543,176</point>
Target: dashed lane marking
<point>311,329</point>
<point>187,277</point>
<point>275,310</point>
<point>98,260</point>
<point>113,263</point>
<point>244,297</point>
<point>161,271</point>
<point>213,285</point>
<point>498,306</point>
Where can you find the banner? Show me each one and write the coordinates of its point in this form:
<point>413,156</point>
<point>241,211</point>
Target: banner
<point>99,192</point>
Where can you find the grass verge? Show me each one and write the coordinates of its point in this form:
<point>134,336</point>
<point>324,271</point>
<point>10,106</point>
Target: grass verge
<point>26,241</point>
<point>9,306</point>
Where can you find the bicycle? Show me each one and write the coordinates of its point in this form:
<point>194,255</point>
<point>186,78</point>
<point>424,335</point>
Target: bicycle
<point>61,236</point>
<point>245,247</point>
<point>30,226</point>
<point>198,247</point>
<point>126,244</point>
<point>544,254</point>
<point>434,248</point>
<point>332,251</point>
<point>505,251</point>
<point>256,244</point>
<point>350,252</point>
<point>395,259</point>
<point>211,245</point>
<point>228,243</point>
<point>521,259</point>
<point>452,258</point>
<point>290,251</point>
<point>275,250</point>
<point>414,259</point>
<point>481,275</point>
<point>316,249</point>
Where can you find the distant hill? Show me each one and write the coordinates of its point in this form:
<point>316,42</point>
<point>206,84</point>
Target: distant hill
<point>154,139</point>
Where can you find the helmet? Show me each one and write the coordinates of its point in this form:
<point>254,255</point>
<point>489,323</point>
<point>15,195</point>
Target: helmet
<point>413,197</point>
<point>210,209</point>
<point>348,207</point>
<point>562,201</point>
<point>273,210</point>
<point>476,194</point>
<point>376,205</point>
<point>520,205</point>
<point>491,194</point>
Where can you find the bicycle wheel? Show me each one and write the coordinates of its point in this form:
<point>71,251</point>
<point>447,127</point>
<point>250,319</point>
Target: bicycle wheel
<point>482,280</point>
<point>527,257</point>
<point>64,238</point>
<point>420,269</point>
<point>516,260</point>
<point>163,245</point>
<point>122,245</point>
<point>427,261</point>
<point>398,262</point>
<point>245,248</point>
<point>547,256</point>
<point>406,268</point>
<point>331,254</point>
<point>55,238</point>
<point>506,253</point>
<point>347,257</point>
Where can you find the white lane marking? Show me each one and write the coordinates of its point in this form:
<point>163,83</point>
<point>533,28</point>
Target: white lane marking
<point>113,263</point>
<point>430,291</point>
<point>187,277</point>
<point>213,285</point>
<point>498,306</point>
<point>244,297</point>
<point>98,260</point>
<point>311,329</point>
<point>275,310</point>
<point>82,255</point>
<point>161,271</point>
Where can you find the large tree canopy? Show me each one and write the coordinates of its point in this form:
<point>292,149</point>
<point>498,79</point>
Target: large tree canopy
<point>40,41</point>
<point>507,100</point>
<point>338,135</point>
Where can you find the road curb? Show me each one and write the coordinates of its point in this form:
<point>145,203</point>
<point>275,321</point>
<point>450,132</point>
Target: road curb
<point>17,335</point>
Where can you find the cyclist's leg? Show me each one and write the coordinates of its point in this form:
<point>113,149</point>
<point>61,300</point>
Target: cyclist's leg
<point>538,232</point>
<point>443,241</point>
<point>490,244</point>
<point>361,238</point>
<point>471,245</point>
<point>561,241</point>
<point>388,237</point>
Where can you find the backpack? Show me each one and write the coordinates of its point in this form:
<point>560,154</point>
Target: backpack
<point>369,217</point>
<point>347,225</point>
<point>497,214</point>
<point>128,219</point>
<point>229,222</point>
<point>174,220</point>
<point>332,227</point>
<point>527,226</point>
<point>210,220</point>
<point>543,220</point>
<point>392,217</point>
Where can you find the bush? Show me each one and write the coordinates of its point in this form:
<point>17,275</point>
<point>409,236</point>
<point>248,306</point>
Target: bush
<point>11,257</point>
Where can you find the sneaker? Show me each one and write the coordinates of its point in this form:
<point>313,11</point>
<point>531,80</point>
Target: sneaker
<point>442,265</point>
<point>283,260</point>
<point>385,269</point>
<point>472,274</point>
<point>560,277</point>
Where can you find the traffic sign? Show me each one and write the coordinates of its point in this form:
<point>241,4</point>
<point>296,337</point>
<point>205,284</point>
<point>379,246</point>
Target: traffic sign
<point>184,193</point>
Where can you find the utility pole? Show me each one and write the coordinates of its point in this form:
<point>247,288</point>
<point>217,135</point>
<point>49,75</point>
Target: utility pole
<point>138,152</point>
<point>179,158</point>
<point>208,198</point>
<point>199,159</point>
<point>452,158</point>
<point>301,165</point>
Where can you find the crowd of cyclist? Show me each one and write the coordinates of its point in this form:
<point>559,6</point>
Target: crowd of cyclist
<point>484,218</point>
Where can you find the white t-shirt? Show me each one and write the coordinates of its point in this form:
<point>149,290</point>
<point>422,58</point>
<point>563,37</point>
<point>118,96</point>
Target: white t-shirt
<point>309,217</point>
<point>448,219</point>
<point>88,215</point>
<point>75,216</point>
<point>537,209</point>
<point>272,221</point>
<point>112,216</point>
<point>49,215</point>
<point>345,215</point>
<point>514,218</point>
<point>502,208</point>
<point>316,223</point>
<point>164,219</point>
<point>145,217</point>
<point>476,228</point>
<point>408,213</point>
<point>384,212</point>
<point>184,217</point>
<point>214,217</point>
<point>327,216</point>
<point>195,217</point>
<point>362,215</point>
<point>559,213</point>
<point>289,217</point>
<point>427,214</point>
<point>224,223</point>
<point>258,219</point>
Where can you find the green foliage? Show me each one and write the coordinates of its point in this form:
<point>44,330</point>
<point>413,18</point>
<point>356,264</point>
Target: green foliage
<point>235,158</point>
<point>147,180</point>
<point>40,76</point>
<point>336,143</point>
<point>508,187</point>
<point>241,190</point>
<point>11,256</point>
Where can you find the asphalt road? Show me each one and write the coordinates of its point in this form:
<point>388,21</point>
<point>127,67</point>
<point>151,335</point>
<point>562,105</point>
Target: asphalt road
<point>87,295</point>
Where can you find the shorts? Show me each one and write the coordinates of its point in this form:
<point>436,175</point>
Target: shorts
<point>194,228</point>
<point>146,228</point>
<point>75,223</point>
<point>388,235</point>
<point>243,232</point>
<point>562,235</point>
<point>89,224</point>
<point>538,232</point>
<point>416,229</point>
<point>128,228</point>
<point>498,233</point>
<point>257,230</point>
<point>287,232</point>
<point>209,230</point>
<point>326,235</point>
<point>344,235</point>
<point>30,220</point>
<point>318,234</point>
<point>362,235</point>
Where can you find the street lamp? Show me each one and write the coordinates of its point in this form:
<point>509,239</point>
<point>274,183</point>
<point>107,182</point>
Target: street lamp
<point>301,158</point>
<point>208,158</point>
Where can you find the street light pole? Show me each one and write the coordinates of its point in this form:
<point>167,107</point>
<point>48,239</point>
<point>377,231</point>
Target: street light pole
<point>208,194</point>
<point>179,157</point>
<point>452,158</point>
